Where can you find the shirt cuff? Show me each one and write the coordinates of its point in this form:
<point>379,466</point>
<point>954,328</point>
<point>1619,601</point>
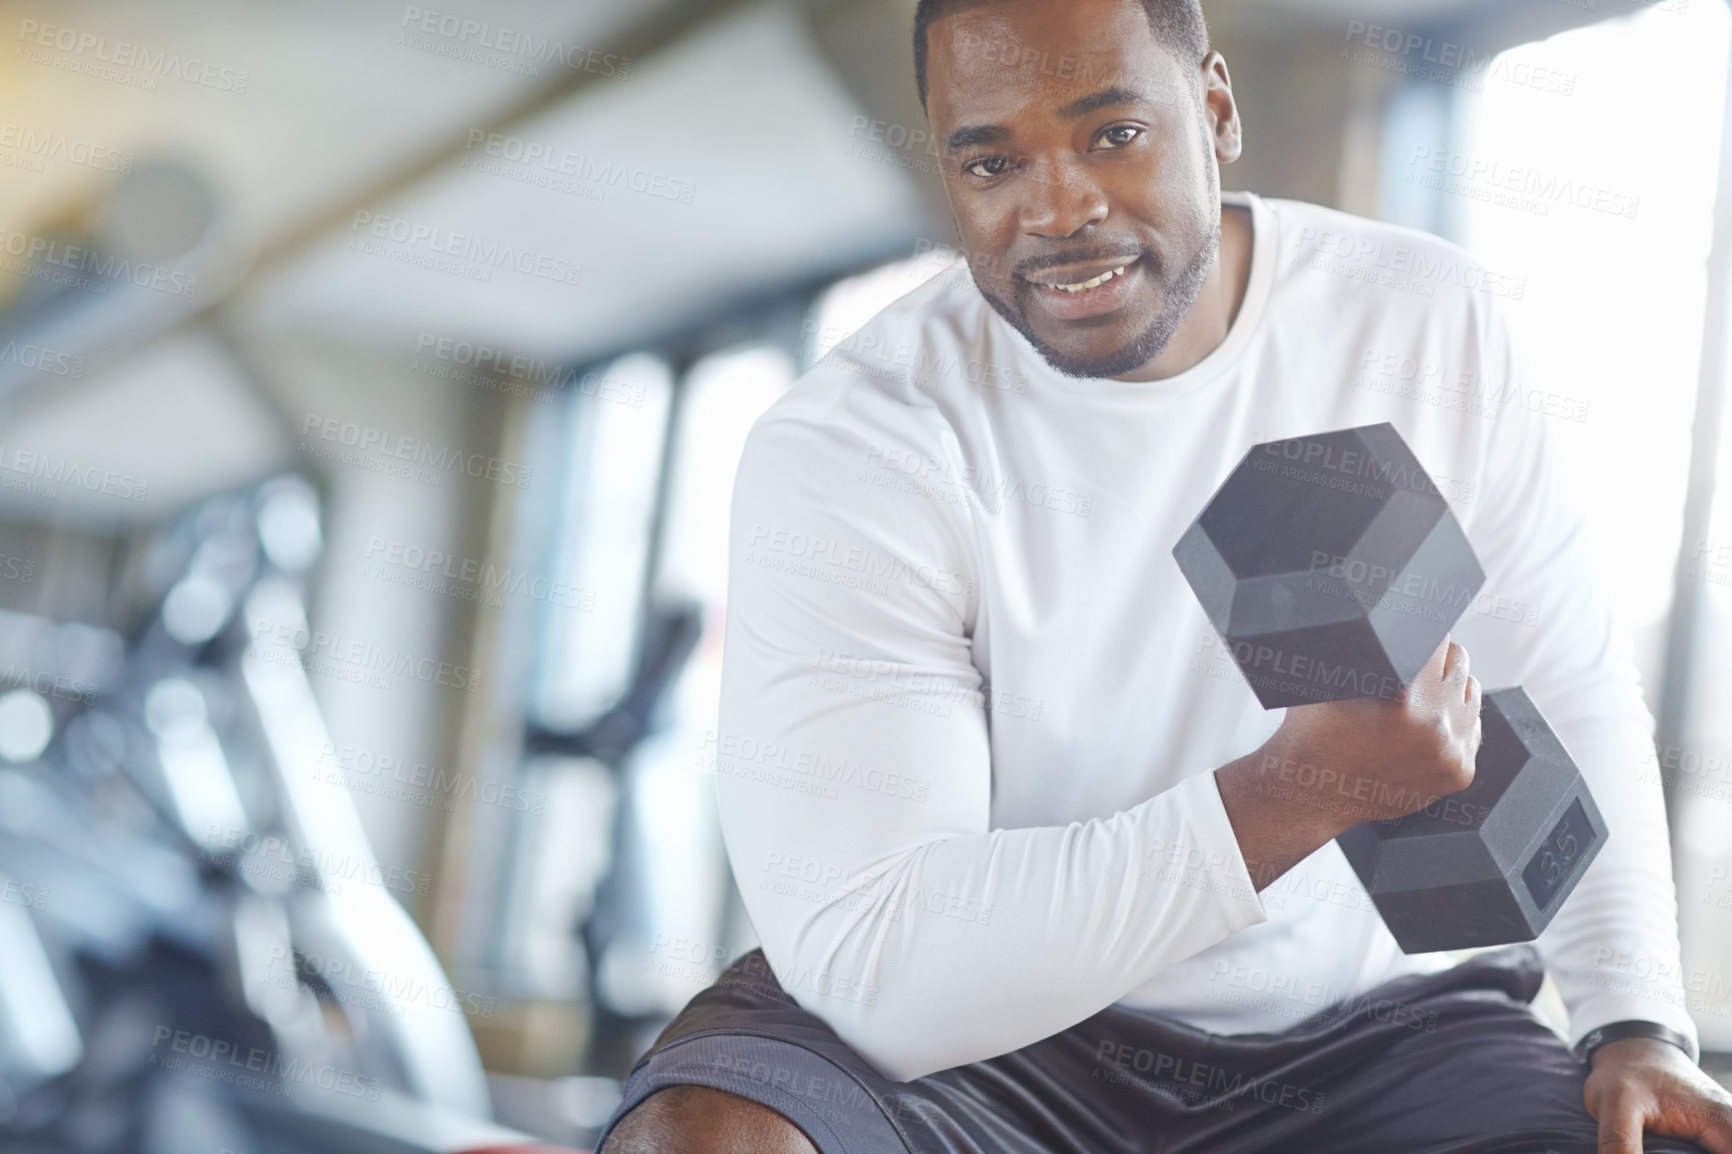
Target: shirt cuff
<point>1603,1009</point>
<point>1214,857</point>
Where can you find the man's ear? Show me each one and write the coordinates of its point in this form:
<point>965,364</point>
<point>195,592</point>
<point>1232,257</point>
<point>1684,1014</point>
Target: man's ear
<point>1219,107</point>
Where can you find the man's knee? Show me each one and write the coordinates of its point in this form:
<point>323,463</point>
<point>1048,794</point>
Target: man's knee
<point>699,1120</point>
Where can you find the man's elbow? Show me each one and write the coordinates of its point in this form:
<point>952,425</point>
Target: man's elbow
<point>897,1034</point>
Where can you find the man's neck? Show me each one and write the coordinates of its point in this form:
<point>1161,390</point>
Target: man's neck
<point>1217,305</point>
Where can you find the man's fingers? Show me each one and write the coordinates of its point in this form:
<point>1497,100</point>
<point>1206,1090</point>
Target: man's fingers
<point>1438,663</point>
<point>1659,1093</point>
<point>1474,703</point>
<point>1715,1132</point>
<point>1717,1139</point>
<point>1455,670</point>
<point>1620,1126</point>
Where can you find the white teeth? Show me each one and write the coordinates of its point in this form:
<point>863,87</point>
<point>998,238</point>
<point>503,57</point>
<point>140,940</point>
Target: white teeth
<point>1089,284</point>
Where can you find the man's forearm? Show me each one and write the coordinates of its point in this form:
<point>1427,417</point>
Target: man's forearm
<point>1277,827</point>
<point>1335,764</point>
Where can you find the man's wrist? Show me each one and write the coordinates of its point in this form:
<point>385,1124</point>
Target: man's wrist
<point>1633,1028</point>
<point>1282,772</point>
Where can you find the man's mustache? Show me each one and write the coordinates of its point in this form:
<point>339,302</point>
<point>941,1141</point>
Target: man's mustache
<point>1116,255</point>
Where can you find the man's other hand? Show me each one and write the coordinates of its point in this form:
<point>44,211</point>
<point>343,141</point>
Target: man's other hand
<point>1642,1084</point>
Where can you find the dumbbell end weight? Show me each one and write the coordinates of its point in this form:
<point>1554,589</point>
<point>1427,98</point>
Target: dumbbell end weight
<point>1330,566</point>
<point>1494,863</point>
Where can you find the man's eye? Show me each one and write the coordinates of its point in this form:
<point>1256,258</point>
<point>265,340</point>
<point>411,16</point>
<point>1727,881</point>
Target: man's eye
<point>1119,135</point>
<point>987,167</point>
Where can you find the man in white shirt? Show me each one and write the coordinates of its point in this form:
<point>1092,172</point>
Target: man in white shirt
<point>1030,867</point>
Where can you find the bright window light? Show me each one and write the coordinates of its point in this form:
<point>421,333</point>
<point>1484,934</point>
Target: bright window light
<point>1601,202</point>
<point>618,420</point>
<point>684,866</point>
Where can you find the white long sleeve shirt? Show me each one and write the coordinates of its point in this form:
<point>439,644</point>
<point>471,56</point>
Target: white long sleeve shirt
<point>971,709</point>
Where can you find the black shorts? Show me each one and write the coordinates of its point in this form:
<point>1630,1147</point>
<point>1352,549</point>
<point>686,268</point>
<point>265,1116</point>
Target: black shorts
<point>1454,1061</point>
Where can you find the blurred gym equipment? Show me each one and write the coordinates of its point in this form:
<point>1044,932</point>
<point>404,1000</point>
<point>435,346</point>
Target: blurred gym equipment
<point>200,950</point>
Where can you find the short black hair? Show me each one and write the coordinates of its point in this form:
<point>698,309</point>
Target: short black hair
<point>1178,24</point>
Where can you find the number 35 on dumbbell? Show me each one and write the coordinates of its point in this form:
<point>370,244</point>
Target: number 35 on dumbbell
<point>1333,568</point>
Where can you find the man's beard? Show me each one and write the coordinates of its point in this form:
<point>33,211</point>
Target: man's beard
<point>1180,294</point>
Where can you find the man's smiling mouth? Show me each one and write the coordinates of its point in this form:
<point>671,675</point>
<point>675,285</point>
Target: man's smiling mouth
<point>1080,276</point>
<point>1092,281</point>
<point>1081,291</point>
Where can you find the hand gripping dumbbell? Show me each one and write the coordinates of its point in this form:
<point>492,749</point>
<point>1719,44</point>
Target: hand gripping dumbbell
<point>1333,568</point>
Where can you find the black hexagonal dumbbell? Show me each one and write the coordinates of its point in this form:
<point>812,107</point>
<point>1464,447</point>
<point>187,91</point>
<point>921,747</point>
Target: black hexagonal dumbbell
<point>1332,568</point>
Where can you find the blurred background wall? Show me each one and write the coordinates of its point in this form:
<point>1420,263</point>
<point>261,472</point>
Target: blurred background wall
<point>502,286</point>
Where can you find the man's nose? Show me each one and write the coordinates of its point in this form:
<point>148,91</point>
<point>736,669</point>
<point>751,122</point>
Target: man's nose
<point>1061,199</point>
